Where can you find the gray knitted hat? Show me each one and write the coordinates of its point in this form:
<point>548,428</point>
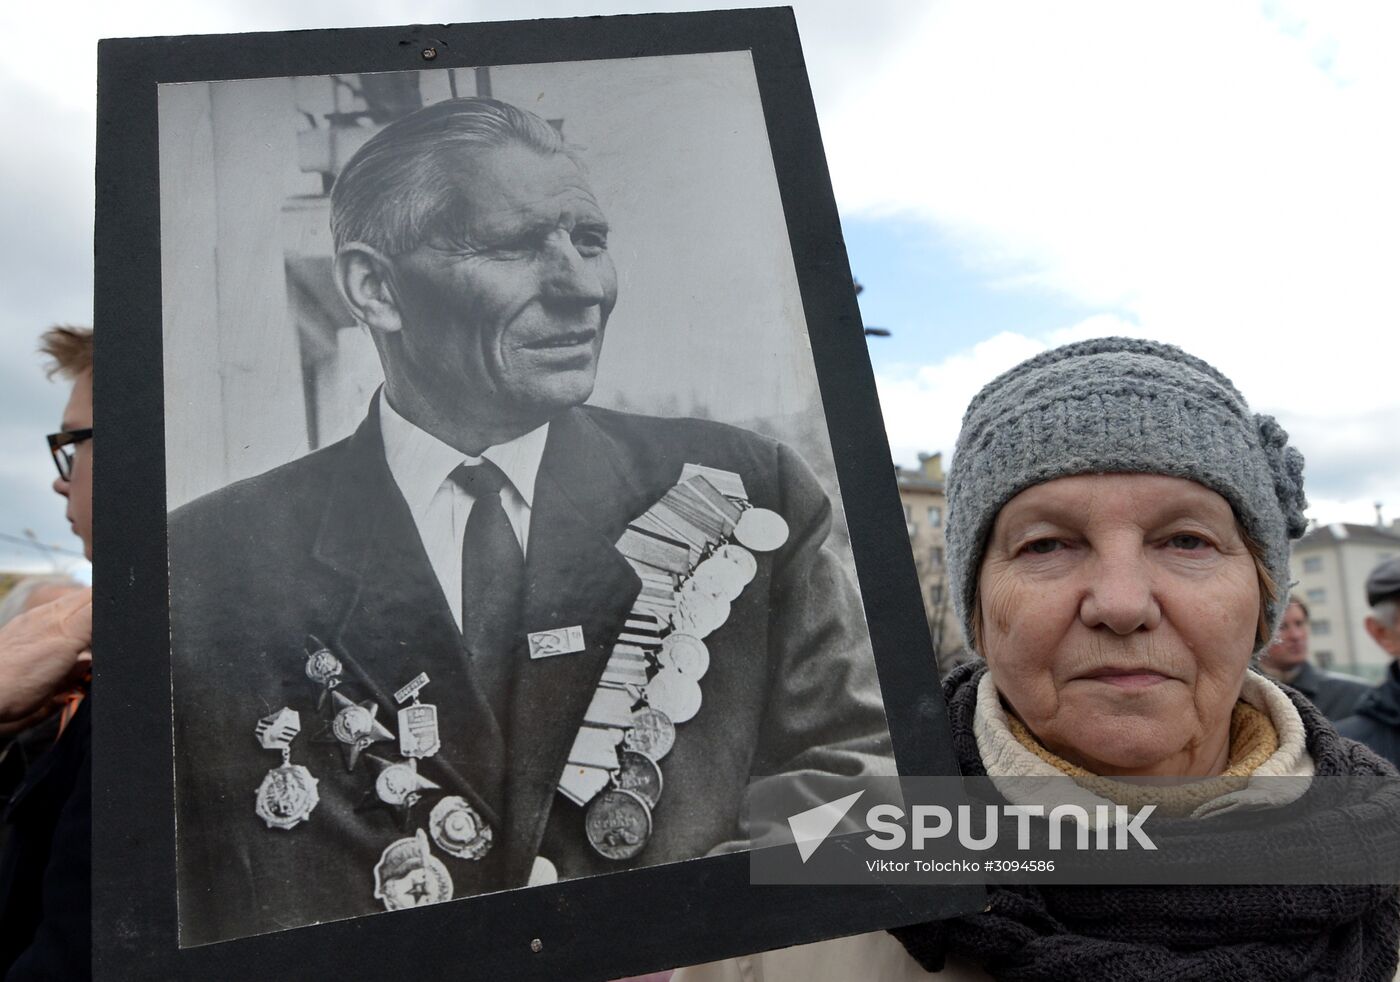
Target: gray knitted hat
<point>1119,406</point>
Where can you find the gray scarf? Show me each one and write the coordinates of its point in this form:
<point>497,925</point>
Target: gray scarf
<point>1054,933</point>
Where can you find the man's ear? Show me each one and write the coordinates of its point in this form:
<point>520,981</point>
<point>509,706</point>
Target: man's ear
<point>365,278</point>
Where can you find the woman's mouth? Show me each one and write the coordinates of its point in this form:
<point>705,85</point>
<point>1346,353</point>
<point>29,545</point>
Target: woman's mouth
<point>1125,678</point>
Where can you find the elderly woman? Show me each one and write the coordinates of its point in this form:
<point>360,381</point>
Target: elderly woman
<point>1118,530</point>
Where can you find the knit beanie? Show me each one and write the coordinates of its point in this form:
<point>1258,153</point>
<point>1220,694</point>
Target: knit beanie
<point>1119,406</point>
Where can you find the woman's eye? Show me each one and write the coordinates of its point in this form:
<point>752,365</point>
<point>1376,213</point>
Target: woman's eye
<point>1187,541</point>
<point>1043,547</point>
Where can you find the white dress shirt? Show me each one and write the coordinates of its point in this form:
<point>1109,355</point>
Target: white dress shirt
<point>421,465</point>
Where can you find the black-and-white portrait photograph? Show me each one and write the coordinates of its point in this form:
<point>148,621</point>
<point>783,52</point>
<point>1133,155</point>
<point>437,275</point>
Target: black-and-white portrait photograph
<point>505,540</point>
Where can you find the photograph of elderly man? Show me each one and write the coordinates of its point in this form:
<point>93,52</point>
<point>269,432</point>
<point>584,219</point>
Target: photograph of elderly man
<point>499,635</point>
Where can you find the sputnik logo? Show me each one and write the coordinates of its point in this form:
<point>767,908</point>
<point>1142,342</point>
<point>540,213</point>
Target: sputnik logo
<point>811,827</point>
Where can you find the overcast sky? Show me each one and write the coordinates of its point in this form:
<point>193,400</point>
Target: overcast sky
<point>1219,175</point>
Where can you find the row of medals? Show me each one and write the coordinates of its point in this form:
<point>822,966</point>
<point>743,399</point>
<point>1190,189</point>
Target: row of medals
<point>693,564</point>
<point>693,551</point>
<point>407,874</point>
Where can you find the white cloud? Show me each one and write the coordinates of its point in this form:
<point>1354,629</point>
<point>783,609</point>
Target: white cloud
<point>1223,175</point>
<point>923,406</point>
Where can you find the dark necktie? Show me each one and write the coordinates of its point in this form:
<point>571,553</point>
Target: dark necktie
<point>493,581</point>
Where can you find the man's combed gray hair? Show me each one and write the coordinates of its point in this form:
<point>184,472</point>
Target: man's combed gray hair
<point>401,188</point>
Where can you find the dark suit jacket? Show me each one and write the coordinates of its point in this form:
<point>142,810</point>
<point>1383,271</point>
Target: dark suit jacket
<point>46,866</point>
<point>1336,696</point>
<point>1377,719</point>
<point>326,546</point>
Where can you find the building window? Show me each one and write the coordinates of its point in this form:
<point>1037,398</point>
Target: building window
<point>935,557</point>
<point>1317,595</point>
<point>1320,628</point>
<point>935,594</point>
<point>935,516</point>
<point>1312,564</point>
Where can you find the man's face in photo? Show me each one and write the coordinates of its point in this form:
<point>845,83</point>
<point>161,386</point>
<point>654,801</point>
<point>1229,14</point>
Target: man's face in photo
<point>508,309</point>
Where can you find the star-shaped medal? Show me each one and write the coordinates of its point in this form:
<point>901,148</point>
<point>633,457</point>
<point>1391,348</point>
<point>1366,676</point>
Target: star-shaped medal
<point>355,726</point>
<point>397,787</point>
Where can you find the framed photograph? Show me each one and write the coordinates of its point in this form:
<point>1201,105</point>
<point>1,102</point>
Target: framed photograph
<point>497,496</point>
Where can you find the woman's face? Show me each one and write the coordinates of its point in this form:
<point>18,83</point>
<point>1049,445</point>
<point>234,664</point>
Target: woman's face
<point>1118,617</point>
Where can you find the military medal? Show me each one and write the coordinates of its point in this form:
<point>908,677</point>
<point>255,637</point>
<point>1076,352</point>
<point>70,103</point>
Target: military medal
<point>720,578</point>
<point>652,733</point>
<point>287,793</point>
<point>458,830</point>
<point>761,530</point>
<point>542,872</point>
<point>699,613</point>
<point>674,694</point>
<point>692,554</point>
<point>686,654</point>
<point>740,557</point>
<point>398,785</point>
<point>640,775</point>
<point>618,824</point>
<point>322,667</point>
<point>418,723</point>
<point>409,875</point>
<point>356,726</point>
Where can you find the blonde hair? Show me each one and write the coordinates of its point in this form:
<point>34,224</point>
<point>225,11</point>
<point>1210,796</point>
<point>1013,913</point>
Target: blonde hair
<point>69,349</point>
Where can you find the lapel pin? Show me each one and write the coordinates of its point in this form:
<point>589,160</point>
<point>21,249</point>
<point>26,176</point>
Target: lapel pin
<point>560,641</point>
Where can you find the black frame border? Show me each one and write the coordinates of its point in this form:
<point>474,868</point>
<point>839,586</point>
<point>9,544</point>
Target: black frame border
<point>598,927</point>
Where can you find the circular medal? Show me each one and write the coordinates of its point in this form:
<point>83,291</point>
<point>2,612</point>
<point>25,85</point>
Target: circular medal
<point>685,653</point>
<point>652,733</point>
<point>640,775</point>
<point>323,668</point>
<point>699,613</point>
<point>408,875</point>
<point>761,530</point>
<point>618,824</point>
<point>542,871</point>
<point>352,724</point>
<point>286,796</point>
<point>740,557</point>
<point>719,578</point>
<point>458,829</point>
<point>674,694</point>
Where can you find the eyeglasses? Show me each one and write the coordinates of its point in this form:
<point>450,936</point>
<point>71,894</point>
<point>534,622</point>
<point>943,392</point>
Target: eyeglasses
<point>61,444</point>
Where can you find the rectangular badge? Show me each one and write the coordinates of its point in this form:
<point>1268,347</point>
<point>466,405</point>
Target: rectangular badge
<point>411,689</point>
<point>560,641</point>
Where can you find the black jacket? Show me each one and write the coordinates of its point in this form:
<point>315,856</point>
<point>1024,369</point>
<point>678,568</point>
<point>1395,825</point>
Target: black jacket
<point>326,545</point>
<point>1336,696</point>
<point>1377,719</point>
<point>46,867</point>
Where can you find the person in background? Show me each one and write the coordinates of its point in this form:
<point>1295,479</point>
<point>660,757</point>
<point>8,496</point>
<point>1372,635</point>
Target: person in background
<point>46,863</point>
<point>21,743</point>
<point>35,591</point>
<point>1286,661</point>
<point>1377,719</point>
